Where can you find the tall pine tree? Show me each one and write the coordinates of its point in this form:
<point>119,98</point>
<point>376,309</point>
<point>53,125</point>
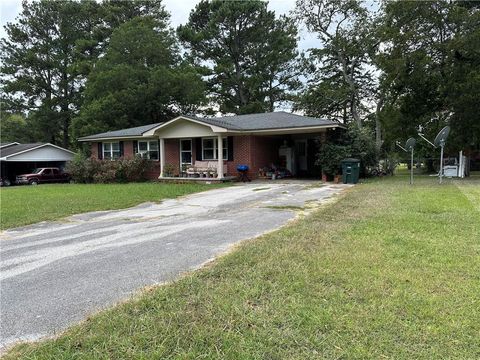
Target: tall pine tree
<point>250,55</point>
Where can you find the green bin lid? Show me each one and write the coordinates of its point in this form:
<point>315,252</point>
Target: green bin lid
<point>351,160</point>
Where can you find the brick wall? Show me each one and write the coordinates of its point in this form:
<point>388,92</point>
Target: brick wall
<point>265,151</point>
<point>254,151</point>
<point>128,150</point>
<point>154,171</point>
<point>94,150</point>
<point>242,154</point>
<point>172,154</point>
<point>128,153</point>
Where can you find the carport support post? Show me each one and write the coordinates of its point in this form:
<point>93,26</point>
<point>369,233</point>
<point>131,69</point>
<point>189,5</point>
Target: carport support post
<point>220,157</point>
<point>411,166</point>
<point>162,157</point>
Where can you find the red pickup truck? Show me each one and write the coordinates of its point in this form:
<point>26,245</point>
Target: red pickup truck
<point>43,175</point>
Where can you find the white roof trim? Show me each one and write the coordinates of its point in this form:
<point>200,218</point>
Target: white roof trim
<point>10,144</point>
<point>117,138</point>
<point>214,128</point>
<point>34,148</point>
<point>297,128</point>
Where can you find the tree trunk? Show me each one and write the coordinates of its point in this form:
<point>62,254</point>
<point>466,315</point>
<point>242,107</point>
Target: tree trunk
<point>348,77</point>
<point>378,125</point>
<point>354,111</point>
<point>66,126</point>
<point>241,92</point>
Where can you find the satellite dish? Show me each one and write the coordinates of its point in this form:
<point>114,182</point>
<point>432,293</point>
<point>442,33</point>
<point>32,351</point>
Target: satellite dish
<point>442,136</point>
<point>410,144</point>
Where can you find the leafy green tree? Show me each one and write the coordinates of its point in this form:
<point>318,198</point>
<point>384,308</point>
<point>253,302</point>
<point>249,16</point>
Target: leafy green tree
<point>250,57</point>
<point>342,83</point>
<point>39,55</point>
<point>140,80</point>
<point>355,142</point>
<point>431,66</point>
<point>14,127</point>
<point>49,51</point>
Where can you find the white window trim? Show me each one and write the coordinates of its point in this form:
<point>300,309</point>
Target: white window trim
<point>215,148</point>
<point>148,149</point>
<point>110,151</point>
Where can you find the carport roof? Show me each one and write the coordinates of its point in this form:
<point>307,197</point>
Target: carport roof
<point>265,121</point>
<point>11,153</point>
<point>12,150</point>
<point>6,144</point>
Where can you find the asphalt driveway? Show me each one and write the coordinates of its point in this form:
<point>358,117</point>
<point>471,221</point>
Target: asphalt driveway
<point>54,274</point>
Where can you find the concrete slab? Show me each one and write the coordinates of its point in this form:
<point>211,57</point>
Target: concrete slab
<point>54,274</point>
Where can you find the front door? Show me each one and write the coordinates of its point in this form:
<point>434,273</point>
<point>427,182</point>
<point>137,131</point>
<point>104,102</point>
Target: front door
<point>185,153</point>
<point>301,155</point>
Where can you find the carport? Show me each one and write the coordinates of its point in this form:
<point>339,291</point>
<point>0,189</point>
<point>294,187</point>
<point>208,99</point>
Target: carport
<point>18,158</point>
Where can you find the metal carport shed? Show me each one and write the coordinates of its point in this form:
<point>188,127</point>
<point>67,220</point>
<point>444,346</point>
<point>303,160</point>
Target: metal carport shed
<point>16,158</point>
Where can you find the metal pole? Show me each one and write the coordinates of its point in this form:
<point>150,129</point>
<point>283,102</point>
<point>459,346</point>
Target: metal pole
<point>411,167</point>
<point>441,163</point>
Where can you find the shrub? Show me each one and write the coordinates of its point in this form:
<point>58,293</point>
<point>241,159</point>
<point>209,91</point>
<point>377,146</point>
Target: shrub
<point>130,170</point>
<point>168,170</point>
<point>88,170</point>
<point>107,172</point>
<point>330,156</point>
<point>356,143</point>
<point>82,169</point>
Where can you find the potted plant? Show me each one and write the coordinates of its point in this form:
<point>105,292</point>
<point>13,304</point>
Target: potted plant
<point>168,170</point>
<point>329,158</point>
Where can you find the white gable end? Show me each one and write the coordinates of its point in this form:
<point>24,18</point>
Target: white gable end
<point>44,153</point>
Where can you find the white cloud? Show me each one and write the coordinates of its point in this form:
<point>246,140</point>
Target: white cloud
<point>9,9</point>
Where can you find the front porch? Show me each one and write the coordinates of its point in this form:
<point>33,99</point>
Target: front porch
<point>191,151</point>
<point>214,158</point>
<point>183,180</point>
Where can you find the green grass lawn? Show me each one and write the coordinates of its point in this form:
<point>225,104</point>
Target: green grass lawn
<point>22,205</point>
<point>390,271</point>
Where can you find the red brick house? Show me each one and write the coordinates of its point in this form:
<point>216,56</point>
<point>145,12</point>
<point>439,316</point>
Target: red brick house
<point>187,143</point>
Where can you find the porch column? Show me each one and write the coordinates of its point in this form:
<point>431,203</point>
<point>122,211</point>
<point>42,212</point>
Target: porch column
<point>220,157</point>
<point>162,157</point>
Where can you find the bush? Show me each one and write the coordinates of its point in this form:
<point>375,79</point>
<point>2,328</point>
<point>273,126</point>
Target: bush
<point>107,171</point>
<point>88,170</point>
<point>168,170</point>
<point>330,156</point>
<point>131,170</point>
<point>82,169</point>
<point>356,143</point>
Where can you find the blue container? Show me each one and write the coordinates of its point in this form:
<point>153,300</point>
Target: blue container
<point>242,168</point>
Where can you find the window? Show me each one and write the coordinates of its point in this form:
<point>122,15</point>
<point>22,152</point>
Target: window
<point>209,149</point>
<point>47,172</point>
<point>148,149</point>
<point>55,172</point>
<point>111,150</point>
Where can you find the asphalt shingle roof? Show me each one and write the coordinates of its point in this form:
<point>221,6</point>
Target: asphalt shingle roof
<point>135,131</point>
<point>17,148</point>
<point>249,122</point>
<point>266,121</point>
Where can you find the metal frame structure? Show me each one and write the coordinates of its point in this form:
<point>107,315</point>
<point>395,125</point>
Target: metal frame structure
<point>440,140</point>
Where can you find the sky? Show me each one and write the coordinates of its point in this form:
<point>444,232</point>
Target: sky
<point>179,10</point>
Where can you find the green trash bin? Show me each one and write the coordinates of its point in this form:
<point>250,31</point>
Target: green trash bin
<point>350,171</point>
